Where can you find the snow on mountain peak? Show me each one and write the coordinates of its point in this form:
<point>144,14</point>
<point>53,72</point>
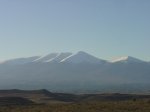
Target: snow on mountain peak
<point>126,59</point>
<point>80,57</point>
<point>120,59</point>
<point>59,57</point>
<point>46,57</point>
<point>53,57</point>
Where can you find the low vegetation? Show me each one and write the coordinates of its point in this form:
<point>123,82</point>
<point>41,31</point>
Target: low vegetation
<point>94,106</point>
<point>45,101</point>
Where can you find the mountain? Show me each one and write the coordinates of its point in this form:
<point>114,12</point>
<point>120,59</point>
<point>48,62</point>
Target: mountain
<point>60,57</point>
<point>20,60</point>
<point>75,72</point>
<point>46,57</point>
<point>127,59</point>
<point>82,57</point>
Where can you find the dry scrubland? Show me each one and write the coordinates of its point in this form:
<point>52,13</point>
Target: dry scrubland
<point>101,106</point>
<point>45,101</point>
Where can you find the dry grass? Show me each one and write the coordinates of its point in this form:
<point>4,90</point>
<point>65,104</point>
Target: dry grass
<point>109,106</point>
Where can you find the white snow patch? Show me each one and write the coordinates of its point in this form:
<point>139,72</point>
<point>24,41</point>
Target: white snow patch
<point>46,57</point>
<point>126,59</point>
<point>59,57</point>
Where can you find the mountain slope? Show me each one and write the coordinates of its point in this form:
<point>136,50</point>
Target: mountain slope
<point>127,59</point>
<point>20,60</point>
<point>46,57</point>
<point>59,57</point>
<point>79,72</point>
<point>82,57</point>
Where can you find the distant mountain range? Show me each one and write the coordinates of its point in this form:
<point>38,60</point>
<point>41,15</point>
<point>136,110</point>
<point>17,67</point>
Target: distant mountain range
<point>79,72</point>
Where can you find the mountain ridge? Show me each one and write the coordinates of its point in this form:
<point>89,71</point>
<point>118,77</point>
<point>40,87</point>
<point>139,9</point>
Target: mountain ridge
<point>127,59</point>
<point>79,72</point>
<point>69,57</point>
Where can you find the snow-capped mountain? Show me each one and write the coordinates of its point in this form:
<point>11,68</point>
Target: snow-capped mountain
<point>82,57</point>
<point>65,57</point>
<point>127,59</point>
<point>46,57</point>
<point>69,72</point>
<point>53,57</point>
<point>60,57</point>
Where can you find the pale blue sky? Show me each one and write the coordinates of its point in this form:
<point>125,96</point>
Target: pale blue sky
<point>104,28</point>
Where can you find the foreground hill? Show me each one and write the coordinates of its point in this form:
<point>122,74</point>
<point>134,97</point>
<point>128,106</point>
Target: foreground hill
<point>9,101</point>
<point>80,103</point>
<point>79,73</point>
<point>39,96</point>
<point>44,96</point>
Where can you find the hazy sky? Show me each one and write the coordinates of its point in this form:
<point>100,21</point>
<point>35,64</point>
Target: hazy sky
<point>104,28</point>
